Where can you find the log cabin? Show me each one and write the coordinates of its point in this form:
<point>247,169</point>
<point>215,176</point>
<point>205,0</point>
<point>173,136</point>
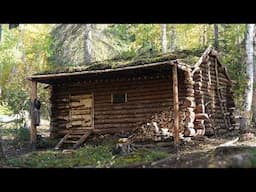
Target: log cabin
<point>193,89</point>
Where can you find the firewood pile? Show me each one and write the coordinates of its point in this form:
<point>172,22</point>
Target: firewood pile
<point>159,127</point>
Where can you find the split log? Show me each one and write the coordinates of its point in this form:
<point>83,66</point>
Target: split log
<point>189,132</point>
<point>202,116</point>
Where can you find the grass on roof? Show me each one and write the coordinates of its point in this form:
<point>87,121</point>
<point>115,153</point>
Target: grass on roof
<point>189,57</point>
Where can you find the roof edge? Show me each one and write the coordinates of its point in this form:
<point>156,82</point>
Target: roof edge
<point>179,64</point>
<point>210,51</point>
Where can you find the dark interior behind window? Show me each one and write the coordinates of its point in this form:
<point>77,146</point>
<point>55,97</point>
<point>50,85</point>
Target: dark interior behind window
<point>118,98</point>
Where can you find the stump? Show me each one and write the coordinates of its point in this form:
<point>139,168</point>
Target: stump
<point>123,148</point>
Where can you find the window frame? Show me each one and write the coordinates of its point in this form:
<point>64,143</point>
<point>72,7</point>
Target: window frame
<point>123,93</point>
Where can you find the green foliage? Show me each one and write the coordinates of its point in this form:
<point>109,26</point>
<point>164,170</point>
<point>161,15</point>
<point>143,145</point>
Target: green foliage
<point>93,156</point>
<point>23,51</point>
<point>17,100</point>
<point>46,143</point>
<point>133,39</point>
<point>232,51</point>
<point>140,156</point>
<point>22,136</point>
<point>5,109</point>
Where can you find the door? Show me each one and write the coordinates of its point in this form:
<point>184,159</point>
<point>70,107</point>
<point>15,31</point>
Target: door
<point>81,113</point>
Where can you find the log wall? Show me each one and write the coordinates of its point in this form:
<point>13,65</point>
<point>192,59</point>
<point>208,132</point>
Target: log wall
<point>207,98</point>
<point>146,95</point>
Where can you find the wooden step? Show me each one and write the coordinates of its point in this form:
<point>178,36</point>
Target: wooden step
<point>75,136</point>
<point>77,132</point>
<point>81,128</point>
<point>61,141</point>
<point>82,139</point>
<point>70,141</point>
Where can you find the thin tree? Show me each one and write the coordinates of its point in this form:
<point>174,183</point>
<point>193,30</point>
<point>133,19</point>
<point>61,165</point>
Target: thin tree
<point>254,74</point>
<point>203,35</point>
<point>164,41</point>
<point>249,71</point>
<point>216,36</point>
<point>2,156</point>
<point>172,38</point>
<point>87,43</point>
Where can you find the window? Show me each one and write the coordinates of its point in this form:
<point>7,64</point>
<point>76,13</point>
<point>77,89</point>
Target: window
<point>118,98</point>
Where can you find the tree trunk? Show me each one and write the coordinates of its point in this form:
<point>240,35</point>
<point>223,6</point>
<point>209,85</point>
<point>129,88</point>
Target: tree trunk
<point>254,74</point>
<point>249,71</point>
<point>0,32</point>
<point>87,44</point>
<point>164,42</point>
<point>216,36</point>
<point>172,38</point>
<point>1,146</point>
<point>203,37</point>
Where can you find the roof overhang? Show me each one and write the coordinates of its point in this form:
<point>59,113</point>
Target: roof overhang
<point>129,70</point>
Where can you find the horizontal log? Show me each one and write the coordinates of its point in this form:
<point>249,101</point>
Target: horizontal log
<point>131,111</point>
<point>136,90</point>
<point>116,126</point>
<point>123,116</point>
<point>132,107</point>
<point>117,121</point>
<point>114,86</point>
<point>131,98</point>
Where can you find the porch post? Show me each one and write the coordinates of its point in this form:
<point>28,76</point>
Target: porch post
<point>33,126</point>
<point>175,103</point>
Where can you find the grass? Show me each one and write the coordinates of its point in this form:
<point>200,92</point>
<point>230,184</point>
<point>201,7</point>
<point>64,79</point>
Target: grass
<point>190,57</point>
<point>4,110</point>
<point>94,156</point>
<point>253,158</point>
<point>97,153</point>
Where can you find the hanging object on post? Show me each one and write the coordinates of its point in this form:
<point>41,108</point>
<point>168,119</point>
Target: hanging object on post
<point>35,112</point>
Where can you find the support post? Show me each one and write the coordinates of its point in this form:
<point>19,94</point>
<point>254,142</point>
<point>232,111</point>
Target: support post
<point>33,126</point>
<point>175,103</point>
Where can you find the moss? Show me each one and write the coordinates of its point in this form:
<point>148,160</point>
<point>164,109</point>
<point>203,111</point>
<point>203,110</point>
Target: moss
<point>140,156</point>
<point>95,156</point>
<point>187,56</point>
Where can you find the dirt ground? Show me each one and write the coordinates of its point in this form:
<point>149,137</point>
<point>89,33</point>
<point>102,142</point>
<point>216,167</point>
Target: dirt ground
<point>225,151</point>
<point>216,152</point>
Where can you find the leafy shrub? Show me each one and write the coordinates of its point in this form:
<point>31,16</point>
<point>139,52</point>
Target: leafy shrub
<point>22,137</point>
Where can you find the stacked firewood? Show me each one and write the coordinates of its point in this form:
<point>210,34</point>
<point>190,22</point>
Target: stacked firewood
<point>200,116</point>
<point>158,127</point>
<point>188,107</point>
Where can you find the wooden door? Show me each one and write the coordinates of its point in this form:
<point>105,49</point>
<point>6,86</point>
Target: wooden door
<point>81,111</point>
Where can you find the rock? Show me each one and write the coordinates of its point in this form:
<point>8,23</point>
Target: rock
<point>209,132</point>
<point>123,149</point>
<point>187,139</point>
<point>101,136</point>
<point>221,131</point>
<point>240,161</point>
<point>247,136</point>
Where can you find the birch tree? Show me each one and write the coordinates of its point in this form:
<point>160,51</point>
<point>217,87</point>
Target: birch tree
<point>249,71</point>
<point>254,74</point>
<point>87,43</point>
<point>216,36</point>
<point>164,42</point>
<point>172,38</point>
<point>1,145</point>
